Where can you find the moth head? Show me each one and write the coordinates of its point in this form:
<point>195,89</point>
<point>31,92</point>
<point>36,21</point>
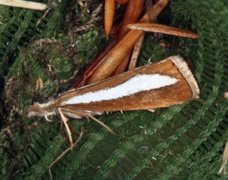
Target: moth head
<point>40,110</point>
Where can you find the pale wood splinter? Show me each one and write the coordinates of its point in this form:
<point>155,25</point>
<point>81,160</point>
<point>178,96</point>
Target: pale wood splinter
<point>223,169</point>
<point>164,29</point>
<point>24,4</point>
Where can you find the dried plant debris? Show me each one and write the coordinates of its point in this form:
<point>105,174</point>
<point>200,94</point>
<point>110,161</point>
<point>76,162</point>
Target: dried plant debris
<point>224,166</point>
<point>44,66</point>
<point>95,17</point>
<point>38,72</point>
<point>34,76</point>
<point>83,16</point>
<point>51,62</point>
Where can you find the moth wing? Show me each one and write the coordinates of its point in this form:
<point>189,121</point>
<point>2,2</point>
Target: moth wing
<point>173,67</point>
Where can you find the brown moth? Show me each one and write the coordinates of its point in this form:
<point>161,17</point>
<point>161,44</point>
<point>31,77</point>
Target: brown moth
<point>168,82</point>
<point>163,84</point>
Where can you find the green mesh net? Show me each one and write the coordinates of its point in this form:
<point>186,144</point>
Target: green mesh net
<point>180,142</point>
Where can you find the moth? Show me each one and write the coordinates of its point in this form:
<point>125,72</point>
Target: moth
<point>163,84</point>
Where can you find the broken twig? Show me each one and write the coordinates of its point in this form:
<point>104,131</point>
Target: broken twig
<point>24,4</point>
<point>159,28</point>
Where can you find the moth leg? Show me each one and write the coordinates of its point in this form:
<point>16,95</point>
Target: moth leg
<point>63,130</point>
<point>64,153</point>
<point>102,124</point>
<point>64,120</point>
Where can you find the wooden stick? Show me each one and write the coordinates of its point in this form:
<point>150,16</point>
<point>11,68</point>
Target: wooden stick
<point>89,72</point>
<point>132,14</point>
<point>223,168</point>
<point>109,12</point>
<point>24,4</point>
<point>115,56</point>
<point>83,79</point>
<point>122,1</point>
<point>135,53</point>
<point>124,64</point>
<point>158,28</point>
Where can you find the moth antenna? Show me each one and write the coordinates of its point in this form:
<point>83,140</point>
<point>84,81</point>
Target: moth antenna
<point>102,124</point>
